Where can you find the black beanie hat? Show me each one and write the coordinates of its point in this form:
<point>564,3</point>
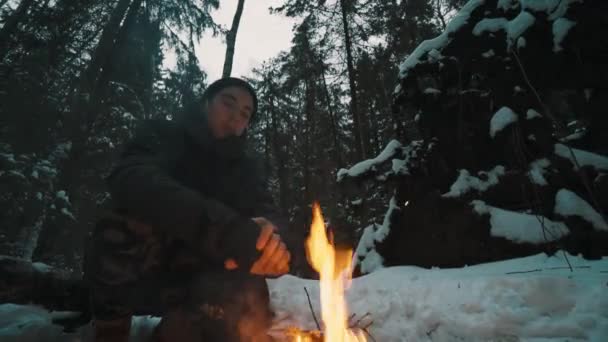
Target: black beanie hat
<point>225,82</point>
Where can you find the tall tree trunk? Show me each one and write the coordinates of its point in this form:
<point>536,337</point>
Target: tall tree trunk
<point>120,40</point>
<point>333,121</point>
<point>281,160</point>
<point>79,114</point>
<point>11,25</point>
<point>151,47</point>
<point>85,112</point>
<point>359,141</point>
<point>92,79</point>
<point>308,148</point>
<point>267,133</point>
<point>373,129</point>
<point>231,39</point>
<point>103,51</point>
<point>97,74</point>
<point>397,124</point>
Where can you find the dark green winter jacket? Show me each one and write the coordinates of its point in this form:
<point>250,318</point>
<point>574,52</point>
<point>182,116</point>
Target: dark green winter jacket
<point>191,187</point>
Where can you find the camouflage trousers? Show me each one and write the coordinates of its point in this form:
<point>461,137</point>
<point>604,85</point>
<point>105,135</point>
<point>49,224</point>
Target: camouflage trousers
<point>133,269</point>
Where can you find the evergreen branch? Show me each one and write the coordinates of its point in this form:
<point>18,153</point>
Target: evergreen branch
<point>184,46</point>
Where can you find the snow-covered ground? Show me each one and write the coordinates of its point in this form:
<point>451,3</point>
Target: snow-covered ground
<point>537,298</point>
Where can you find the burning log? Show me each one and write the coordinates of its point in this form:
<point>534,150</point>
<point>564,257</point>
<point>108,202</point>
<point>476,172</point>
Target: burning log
<point>335,269</point>
<point>297,335</point>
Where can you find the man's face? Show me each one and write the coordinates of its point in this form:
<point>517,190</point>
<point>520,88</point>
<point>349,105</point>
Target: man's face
<point>229,112</point>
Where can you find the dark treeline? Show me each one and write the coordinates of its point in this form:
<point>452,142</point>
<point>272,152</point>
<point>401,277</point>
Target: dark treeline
<point>77,76</point>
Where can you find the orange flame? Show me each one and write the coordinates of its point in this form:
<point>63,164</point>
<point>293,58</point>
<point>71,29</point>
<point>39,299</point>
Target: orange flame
<point>334,268</point>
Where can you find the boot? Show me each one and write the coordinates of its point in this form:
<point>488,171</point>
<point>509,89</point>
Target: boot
<point>179,325</point>
<point>117,330</point>
<point>221,307</point>
<point>195,326</point>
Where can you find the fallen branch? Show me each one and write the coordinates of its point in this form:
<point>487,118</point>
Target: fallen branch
<point>530,271</point>
<point>366,331</point>
<point>571,268</point>
<point>365,328</point>
<point>356,324</point>
<point>24,282</point>
<point>311,309</point>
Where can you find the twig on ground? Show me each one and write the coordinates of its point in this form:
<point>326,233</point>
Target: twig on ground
<point>567,260</point>
<point>352,316</point>
<point>311,309</point>
<point>563,268</point>
<point>356,324</point>
<point>530,271</point>
<point>367,325</point>
<point>364,328</point>
<point>369,334</point>
<point>569,267</point>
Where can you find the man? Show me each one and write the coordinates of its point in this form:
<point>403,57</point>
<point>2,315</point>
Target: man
<point>193,236</point>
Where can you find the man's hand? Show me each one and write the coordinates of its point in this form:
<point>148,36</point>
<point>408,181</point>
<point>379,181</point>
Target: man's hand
<point>275,256</point>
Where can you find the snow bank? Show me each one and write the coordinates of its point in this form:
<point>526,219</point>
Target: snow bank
<point>490,302</point>
<point>529,299</point>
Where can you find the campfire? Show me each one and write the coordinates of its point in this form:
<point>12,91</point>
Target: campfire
<point>335,269</point>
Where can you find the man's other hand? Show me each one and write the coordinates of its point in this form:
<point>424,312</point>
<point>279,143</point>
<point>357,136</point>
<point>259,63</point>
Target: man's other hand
<point>275,256</point>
